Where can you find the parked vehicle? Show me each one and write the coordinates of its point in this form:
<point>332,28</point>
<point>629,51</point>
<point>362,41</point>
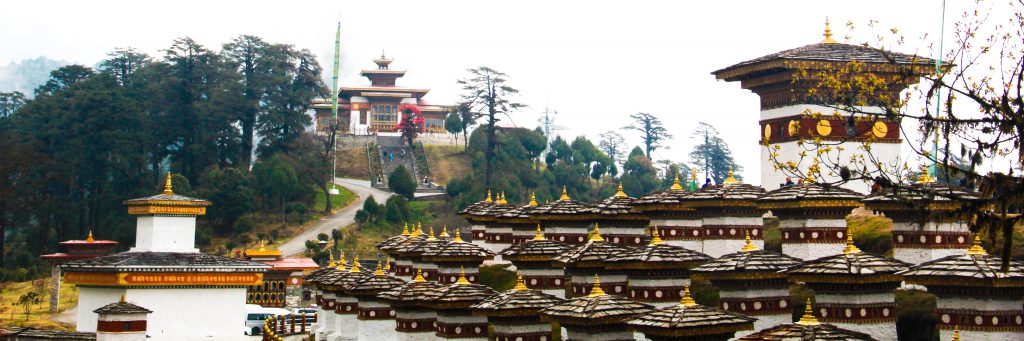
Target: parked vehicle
<point>255,315</point>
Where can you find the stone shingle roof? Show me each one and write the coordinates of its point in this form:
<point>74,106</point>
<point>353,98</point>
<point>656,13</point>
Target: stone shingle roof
<point>412,293</point>
<point>966,270</point>
<point>460,296</point>
<point>534,250</point>
<point>169,200</point>
<point>856,267</point>
<point>615,205</point>
<point>314,276</point>
<point>690,320</point>
<point>754,264</point>
<point>593,253</point>
<point>713,195</point>
<point>516,302</point>
<point>458,250</point>
<point>931,196</point>
<point>810,193</point>
<point>390,243</point>
<point>657,256</point>
<point>824,52</point>
<point>565,207</point>
<point>122,308</point>
<point>475,208</point>
<point>667,197</point>
<point>372,284</point>
<point>20,333</point>
<point>594,310</point>
<point>799,332</point>
<point>164,261</point>
<point>516,213</point>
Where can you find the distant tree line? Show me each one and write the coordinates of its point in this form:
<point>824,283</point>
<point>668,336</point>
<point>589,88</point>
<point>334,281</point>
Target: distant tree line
<point>91,138</point>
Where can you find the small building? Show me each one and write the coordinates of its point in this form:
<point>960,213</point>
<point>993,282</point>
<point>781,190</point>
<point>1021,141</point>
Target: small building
<point>622,224</point>
<point>476,216</point>
<point>455,319</point>
<point>596,316</point>
<point>688,321</point>
<point>974,293</point>
<point>582,263</point>
<point>73,250</point>
<point>677,223</point>
<point>812,217</point>
<point>412,252</point>
<point>520,221</point>
<point>750,282</point>
<point>532,260</point>
<point>565,220</point>
<point>413,320</point>
<point>374,317</point>
<point>854,290</point>
<point>121,321</point>
<point>457,258</point>
<point>728,212</point>
<point>513,316</point>
<point>657,273</point>
<point>398,249</point>
<point>808,328</point>
<point>502,221</point>
<point>282,283</point>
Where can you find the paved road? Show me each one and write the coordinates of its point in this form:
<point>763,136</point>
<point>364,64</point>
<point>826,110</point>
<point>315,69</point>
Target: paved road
<point>340,218</point>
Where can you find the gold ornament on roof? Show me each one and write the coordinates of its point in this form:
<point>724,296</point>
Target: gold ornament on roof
<point>405,230</point>
<point>828,34</point>
<point>331,255</point>
<point>431,235</point>
<point>387,263</point>
<point>620,193</point>
<point>263,244</point>
<point>976,249</point>
<point>503,201</point>
<point>533,199</point>
<point>458,237</point>
<point>520,284</point>
<point>418,231</point>
<point>731,179</point>
<point>687,300</point>
<point>488,200</point>
<point>956,332</point>
<point>850,248</point>
<point>355,263</point>
<point>444,232</point>
<point>675,183</point>
<point>748,245</point>
<point>597,291</point>
<point>88,239</point>
<point>539,235</point>
<point>122,298</point>
<point>380,269</point>
<point>925,178</point>
<point>808,319</point>
<point>462,277</point>
<point>342,264</point>
<point>419,276</point>
<point>565,195</point>
<point>655,239</point>
<point>167,185</point>
<point>596,237</point>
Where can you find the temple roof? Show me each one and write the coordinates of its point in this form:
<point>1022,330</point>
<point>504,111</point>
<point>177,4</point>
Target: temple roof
<point>690,319</point>
<point>822,52</point>
<point>810,194</point>
<point>372,284</point>
<point>667,197</point>
<point>711,196</point>
<point>478,206</point>
<point>931,196</point>
<point>564,206</point>
<point>417,292</point>
<point>519,301</point>
<point>596,308</point>
<point>764,263</point>
<point>618,204</point>
<point>293,264</point>
<point>460,296</point>
<point>657,256</point>
<point>593,253</point>
<point>164,261</point>
<point>799,332</point>
<point>971,269</point>
<point>855,266</point>
<point>342,279</point>
<point>534,250</point>
<point>457,249</point>
<point>314,276</point>
<point>122,307</point>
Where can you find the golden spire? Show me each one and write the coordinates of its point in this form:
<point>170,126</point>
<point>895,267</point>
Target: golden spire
<point>167,185</point>
<point>444,232</point>
<point>655,239</point>
<point>565,195</point>
<point>263,244</point>
<point>405,229</point>
<point>488,200</point>
<point>331,264</point>
<point>122,298</point>
<point>620,193</point>
<point>462,277</point>
<point>956,331</point>
<point>533,199</point>
<point>731,179</point>
<point>597,291</point>
<point>341,260</point>
<point>687,300</point>
<point>419,276</point>
<point>828,34</point>
<point>380,270</point>
<point>925,178</point>
<point>675,183</point>
<point>520,284</point>
<point>850,248</point>
<point>539,235</point>
<point>808,319</point>
<point>355,263</point>
<point>387,264</point>
<point>501,198</point>
<point>431,235</point>
<point>88,239</point>
<point>976,249</point>
<point>748,245</point>
<point>596,237</point>
<point>458,237</point>
<point>417,231</point>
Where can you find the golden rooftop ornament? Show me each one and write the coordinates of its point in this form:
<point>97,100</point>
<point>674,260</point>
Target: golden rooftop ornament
<point>380,270</point>
<point>675,183</point>
<point>828,34</point>
<point>925,178</point>
<point>355,264</point>
<point>387,263</point>
<point>458,237</point>
<point>444,232</point>
<point>565,195</point>
<point>850,248</point>
<point>687,300</point>
<point>748,245</point>
<point>431,236</point>
<point>331,264</point>
<point>620,193</point>
<point>597,291</point>
<point>462,277</point>
<point>122,298</point>
<point>956,332</point>
<point>976,249</point>
<point>533,199</point>
<point>167,185</point>
<point>88,239</point>
<point>502,200</point>
<point>539,235</point>
<point>419,276</point>
<point>405,229</point>
<point>488,200</point>
<point>520,284</point>
<point>655,239</point>
<point>731,179</point>
<point>341,261</point>
<point>596,237</point>
<point>418,231</point>
<point>263,244</point>
<point>808,319</point>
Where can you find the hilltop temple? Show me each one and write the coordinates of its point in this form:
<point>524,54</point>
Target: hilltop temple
<point>373,109</point>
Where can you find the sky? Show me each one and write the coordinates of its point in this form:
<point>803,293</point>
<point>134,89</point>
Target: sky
<point>595,62</point>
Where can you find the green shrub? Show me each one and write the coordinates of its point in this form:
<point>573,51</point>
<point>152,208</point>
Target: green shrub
<point>497,277</point>
<point>244,225</point>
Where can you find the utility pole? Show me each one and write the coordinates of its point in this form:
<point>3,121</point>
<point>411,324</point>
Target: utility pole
<point>547,123</point>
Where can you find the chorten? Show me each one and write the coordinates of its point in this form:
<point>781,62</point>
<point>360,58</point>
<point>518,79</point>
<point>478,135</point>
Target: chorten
<point>165,263</point>
<point>519,220</point>
<point>750,282</point>
<point>73,250</point>
<point>121,321</point>
<point>677,223</point>
<point>974,293</point>
<point>596,316</point>
<point>854,289</point>
<point>808,328</point>
<point>513,313</point>
<point>622,224</point>
<point>498,227</point>
<point>340,307</point>
<point>476,216</point>
<point>583,262</point>
<point>374,317</point>
<point>413,320</point>
<point>688,320</point>
<point>532,260</point>
<point>413,253</point>
<point>397,250</point>
<point>455,319</point>
<point>812,217</point>
<point>658,272</point>
<point>728,211</point>
<point>457,258</point>
<point>565,220</point>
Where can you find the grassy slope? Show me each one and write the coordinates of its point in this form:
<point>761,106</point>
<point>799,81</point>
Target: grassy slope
<point>352,163</point>
<point>447,162</point>
<point>39,317</point>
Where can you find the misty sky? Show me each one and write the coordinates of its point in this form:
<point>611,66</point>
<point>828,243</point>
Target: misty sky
<point>595,62</point>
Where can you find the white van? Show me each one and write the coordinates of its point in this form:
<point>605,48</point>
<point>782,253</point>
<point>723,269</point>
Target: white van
<point>255,315</point>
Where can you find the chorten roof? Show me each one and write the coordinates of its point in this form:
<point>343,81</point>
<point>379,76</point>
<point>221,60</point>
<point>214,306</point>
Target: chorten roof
<point>372,284</point>
<point>458,250</point>
<point>756,264</point>
<point>594,253</point>
<point>165,262</point>
<point>657,255</point>
<point>564,207</point>
<point>533,250</point>
<point>519,301</point>
<point>853,266</point>
<point>929,196</point>
<point>478,206</point>
<point>729,194</point>
<point>44,334</point>
<point>167,202</point>
<point>617,204</point>
<point>810,194</point>
<point>417,292</point>
<point>122,307</point>
<point>798,332</point>
<point>594,309</point>
<point>690,319</point>
<point>460,295</point>
<point>975,268</point>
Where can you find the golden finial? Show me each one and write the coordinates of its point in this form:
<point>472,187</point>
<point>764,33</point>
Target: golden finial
<point>341,260</point>
<point>748,245</point>
<point>539,235</point>
<point>808,319</point>
<point>488,200</point>
<point>458,237</point>
<point>331,264</point>
<point>828,34</point>
<point>444,232</point>
<point>88,239</point>
<point>655,239</point>
<point>263,245</point>
<point>380,270</point>
<point>418,231</point>
<point>167,185</point>
<point>687,300</point>
<point>850,248</point>
<point>565,195</point>
<point>596,237</point>
<point>620,193</point>
<point>731,179</point>
<point>976,249</point>
<point>597,291</point>
<point>956,332</point>
<point>675,183</point>
<point>419,276</point>
<point>533,199</point>
<point>122,298</point>
<point>431,236</point>
<point>387,264</point>
<point>462,277</point>
<point>355,263</point>
<point>405,229</point>
<point>520,284</point>
<point>503,200</point>
<point>925,178</point>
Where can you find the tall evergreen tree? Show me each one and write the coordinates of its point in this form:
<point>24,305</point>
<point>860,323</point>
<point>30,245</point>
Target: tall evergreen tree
<point>712,154</point>
<point>485,90</point>
<point>652,131</point>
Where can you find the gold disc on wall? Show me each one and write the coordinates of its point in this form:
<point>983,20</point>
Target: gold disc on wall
<point>880,129</point>
<point>824,128</point>
<point>794,127</point>
<point>767,131</point>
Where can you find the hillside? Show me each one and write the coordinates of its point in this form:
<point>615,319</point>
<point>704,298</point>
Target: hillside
<point>446,162</point>
<point>352,163</point>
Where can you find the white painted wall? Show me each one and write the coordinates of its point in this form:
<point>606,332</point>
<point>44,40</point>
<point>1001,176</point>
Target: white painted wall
<point>158,233</point>
<point>92,298</point>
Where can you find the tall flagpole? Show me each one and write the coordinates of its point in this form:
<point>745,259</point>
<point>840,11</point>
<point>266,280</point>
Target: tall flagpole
<point>334,106</point>
<point>938,94</point>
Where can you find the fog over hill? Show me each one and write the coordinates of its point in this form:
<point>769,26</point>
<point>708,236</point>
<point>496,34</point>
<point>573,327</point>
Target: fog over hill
<point>26,75</point>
